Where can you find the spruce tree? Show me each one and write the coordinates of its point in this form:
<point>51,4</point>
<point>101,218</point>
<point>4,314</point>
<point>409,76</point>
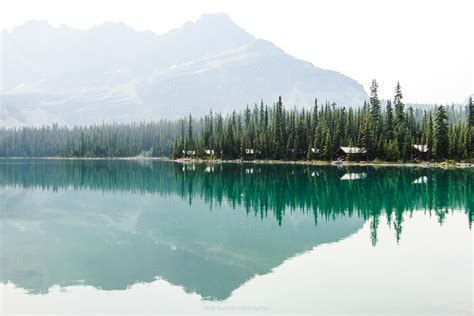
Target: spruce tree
<point>388,121</point>
<point>375,110</point>
<point>441,133</point>
<point>190,139</point>
<point>399,117</point>
<point>430,135</point>
<point>366,138</point>
<point>278,137</point>
<point>470,113</point>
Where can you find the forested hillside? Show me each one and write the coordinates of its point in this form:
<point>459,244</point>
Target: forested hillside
<point>266,132</point>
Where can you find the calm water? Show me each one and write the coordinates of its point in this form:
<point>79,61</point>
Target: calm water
<point>151,237</point>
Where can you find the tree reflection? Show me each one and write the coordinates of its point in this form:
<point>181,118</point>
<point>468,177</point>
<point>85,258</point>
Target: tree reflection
<point>264,189</point>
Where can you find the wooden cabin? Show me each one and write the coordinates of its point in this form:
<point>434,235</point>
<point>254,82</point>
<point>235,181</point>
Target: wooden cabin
<point>209,152</point>
<point>250,153</point>
<point>420,151</point>
<point>354,153</point>
<point>315,152</point>
<point>188,153</point>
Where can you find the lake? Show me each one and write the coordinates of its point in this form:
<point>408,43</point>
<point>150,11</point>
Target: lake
<point>130,236</point>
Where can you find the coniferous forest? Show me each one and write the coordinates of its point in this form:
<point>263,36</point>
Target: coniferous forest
<point>385,130</point>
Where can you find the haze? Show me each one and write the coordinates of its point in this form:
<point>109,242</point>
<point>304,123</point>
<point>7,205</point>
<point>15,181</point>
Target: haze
<point>425,45</point>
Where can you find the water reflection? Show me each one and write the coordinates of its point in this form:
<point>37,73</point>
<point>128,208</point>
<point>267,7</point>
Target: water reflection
<point>261,189</point>
<point>207,228</point>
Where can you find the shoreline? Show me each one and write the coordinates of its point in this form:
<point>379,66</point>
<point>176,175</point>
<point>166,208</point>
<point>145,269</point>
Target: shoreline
<point>424,164</point>
<point>444,165</point>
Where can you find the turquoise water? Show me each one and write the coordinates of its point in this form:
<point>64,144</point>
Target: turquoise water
<point>95,236</point>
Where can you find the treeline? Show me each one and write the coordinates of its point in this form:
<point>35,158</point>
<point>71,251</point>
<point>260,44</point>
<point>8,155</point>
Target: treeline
<point>387,132</point>
<point>106,140</point>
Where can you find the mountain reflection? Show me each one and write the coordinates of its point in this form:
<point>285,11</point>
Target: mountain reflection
<point>261,189</point>
<point>64,223</point>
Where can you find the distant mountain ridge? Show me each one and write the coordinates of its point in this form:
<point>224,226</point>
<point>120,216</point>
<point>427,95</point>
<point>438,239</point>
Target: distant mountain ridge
<point>112,73</point>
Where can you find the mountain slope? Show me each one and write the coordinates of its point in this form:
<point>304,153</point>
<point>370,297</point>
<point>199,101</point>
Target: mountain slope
<point>114,73</point>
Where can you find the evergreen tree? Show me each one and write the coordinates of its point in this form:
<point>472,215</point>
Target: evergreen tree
<point>399,119</point>
<point>375,110</point>
<point>441,133</point>
<point>389,121</point>
<point>273,132</point>
<point>190,138</point>
<point>430,135</point>
<point>279,130</point>
<point>470,113</point>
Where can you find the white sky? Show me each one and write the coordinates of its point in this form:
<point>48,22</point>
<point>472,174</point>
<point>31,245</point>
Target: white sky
<point>427,45</point>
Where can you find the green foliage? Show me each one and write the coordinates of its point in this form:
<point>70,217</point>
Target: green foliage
<point>265,132</point>
<point>106,140</point>
<point>470,113</point>
<point>441,133</point>
<point>274,190</point>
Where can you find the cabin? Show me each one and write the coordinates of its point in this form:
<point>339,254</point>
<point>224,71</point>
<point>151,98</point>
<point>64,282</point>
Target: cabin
<point>209,152</point>
<point>420,151</point>
<point>188,153</point>
<point>315,151</point>
<point>250,153</point>
<point>354,153</point>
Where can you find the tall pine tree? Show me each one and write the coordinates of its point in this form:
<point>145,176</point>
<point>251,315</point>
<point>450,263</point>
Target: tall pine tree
<point>441,133</point>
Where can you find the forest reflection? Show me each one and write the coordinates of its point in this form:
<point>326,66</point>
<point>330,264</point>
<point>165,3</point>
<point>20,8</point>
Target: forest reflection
<point>264,190</point>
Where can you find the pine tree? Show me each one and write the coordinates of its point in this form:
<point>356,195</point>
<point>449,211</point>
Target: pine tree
<point>366,138</point>
<point>279,129</point>
<point>441,133</point>
<point>470,113</point>
<point>190,139</point>
<point>399,117</point>
<point>375,110</point>
<point>389,121</point>
<point>327,150</point>
<point>273,132</point>
<point>430,136</point>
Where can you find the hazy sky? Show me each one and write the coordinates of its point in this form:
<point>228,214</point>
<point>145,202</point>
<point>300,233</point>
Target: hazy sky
<point>427,45</point>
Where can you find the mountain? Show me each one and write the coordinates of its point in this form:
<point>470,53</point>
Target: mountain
<point>113,73</point>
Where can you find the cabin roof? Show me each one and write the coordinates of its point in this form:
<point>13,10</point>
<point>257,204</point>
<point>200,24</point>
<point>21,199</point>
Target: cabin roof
<point>354,150</point>
<point>421,148</point>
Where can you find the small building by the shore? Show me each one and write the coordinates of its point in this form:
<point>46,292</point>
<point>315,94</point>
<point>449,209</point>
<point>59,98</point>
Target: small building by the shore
<point>209,152</point>
<point>314,151</point>
<point>420,151</point>
<point>354,153</point>
<point>188,153</point>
